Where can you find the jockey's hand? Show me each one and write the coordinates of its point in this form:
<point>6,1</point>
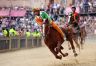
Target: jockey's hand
<point>75,21</point>
<point>69,26</point>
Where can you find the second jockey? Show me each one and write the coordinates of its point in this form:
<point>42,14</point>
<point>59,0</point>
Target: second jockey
<point>74,19</point>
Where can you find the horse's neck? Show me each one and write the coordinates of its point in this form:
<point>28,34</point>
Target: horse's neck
<point>46,29</point>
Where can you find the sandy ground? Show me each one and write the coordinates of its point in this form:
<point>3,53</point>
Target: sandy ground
<point>43,57</point>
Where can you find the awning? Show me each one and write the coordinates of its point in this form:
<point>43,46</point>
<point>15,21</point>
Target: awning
<point>18,13</point>
<point>4,13</point>
<point>12,13</point>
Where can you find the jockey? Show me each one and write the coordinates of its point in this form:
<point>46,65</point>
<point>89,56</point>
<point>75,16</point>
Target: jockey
<point>43,15</point>
<point>74,18</point>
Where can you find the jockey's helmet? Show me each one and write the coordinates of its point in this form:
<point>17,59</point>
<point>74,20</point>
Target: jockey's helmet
<point>36,11</point>
<point>73,7</point>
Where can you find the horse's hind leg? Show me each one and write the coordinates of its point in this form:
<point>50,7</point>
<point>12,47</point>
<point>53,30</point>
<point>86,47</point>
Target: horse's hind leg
<point>55,53</point>
<point>72,45</point>
<point>81,41</point>
<point>76,41</point>
<point>82,37</point>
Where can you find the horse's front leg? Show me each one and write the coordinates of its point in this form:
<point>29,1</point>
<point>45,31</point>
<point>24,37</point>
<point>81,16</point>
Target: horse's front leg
<point>70,39</point>
<point>55,53</point>
<point>64,54</point>
<point>59,46</point>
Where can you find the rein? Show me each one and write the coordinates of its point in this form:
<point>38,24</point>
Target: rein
<point>49,27</point>
<point>46,28</point>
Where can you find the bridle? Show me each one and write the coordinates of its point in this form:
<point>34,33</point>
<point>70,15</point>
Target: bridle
<point>49,27</point>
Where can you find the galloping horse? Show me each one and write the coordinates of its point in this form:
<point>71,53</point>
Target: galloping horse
<point>54,37</point>
<point>53,40</point>
<point>70,38</point>
<point>77,33</point>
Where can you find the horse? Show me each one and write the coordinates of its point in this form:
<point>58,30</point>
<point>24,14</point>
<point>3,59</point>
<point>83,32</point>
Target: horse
<point>54,41</point>
<point>81,33</point>
<point>70,38</point>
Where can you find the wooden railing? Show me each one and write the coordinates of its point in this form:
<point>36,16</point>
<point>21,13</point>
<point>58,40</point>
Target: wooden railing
<point>15,43</point>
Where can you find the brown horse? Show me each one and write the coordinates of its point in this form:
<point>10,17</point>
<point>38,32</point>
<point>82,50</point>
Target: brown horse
<point>77,34</point>
<point>70,38</point>
<point>54,41</point>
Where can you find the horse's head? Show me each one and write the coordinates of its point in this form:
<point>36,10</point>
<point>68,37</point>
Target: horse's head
<point>46,22</point>
<point>40,21</point>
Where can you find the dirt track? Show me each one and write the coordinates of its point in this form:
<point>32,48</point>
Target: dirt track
<point>43,57</point>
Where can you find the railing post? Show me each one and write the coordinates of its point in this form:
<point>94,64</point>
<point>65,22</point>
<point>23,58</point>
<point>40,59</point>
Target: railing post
<point>9,43</point>
<point>26,40</point>
<point>18,42</point>
<point>37,42</point>
<point>32,41</point>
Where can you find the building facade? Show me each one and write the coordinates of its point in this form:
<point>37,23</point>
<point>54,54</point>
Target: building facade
<point>33,3</point>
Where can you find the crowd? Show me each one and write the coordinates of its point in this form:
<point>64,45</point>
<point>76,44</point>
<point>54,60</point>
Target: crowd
<point>23,25</point>
<point>26,25</point>
<point>89,23</point>
<point>19,25</point>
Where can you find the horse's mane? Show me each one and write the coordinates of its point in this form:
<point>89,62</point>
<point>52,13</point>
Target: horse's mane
<point>53,33</point>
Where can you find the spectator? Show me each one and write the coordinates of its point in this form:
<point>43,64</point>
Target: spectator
<point>28,34</point>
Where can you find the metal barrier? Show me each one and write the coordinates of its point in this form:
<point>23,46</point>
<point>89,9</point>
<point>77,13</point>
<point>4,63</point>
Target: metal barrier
<point>14,43</point>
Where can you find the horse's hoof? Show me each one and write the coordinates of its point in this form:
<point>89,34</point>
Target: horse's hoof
<point>75,54</point>
<point>61,48</point>
<point>59,57</point>
<point>66,54</point>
